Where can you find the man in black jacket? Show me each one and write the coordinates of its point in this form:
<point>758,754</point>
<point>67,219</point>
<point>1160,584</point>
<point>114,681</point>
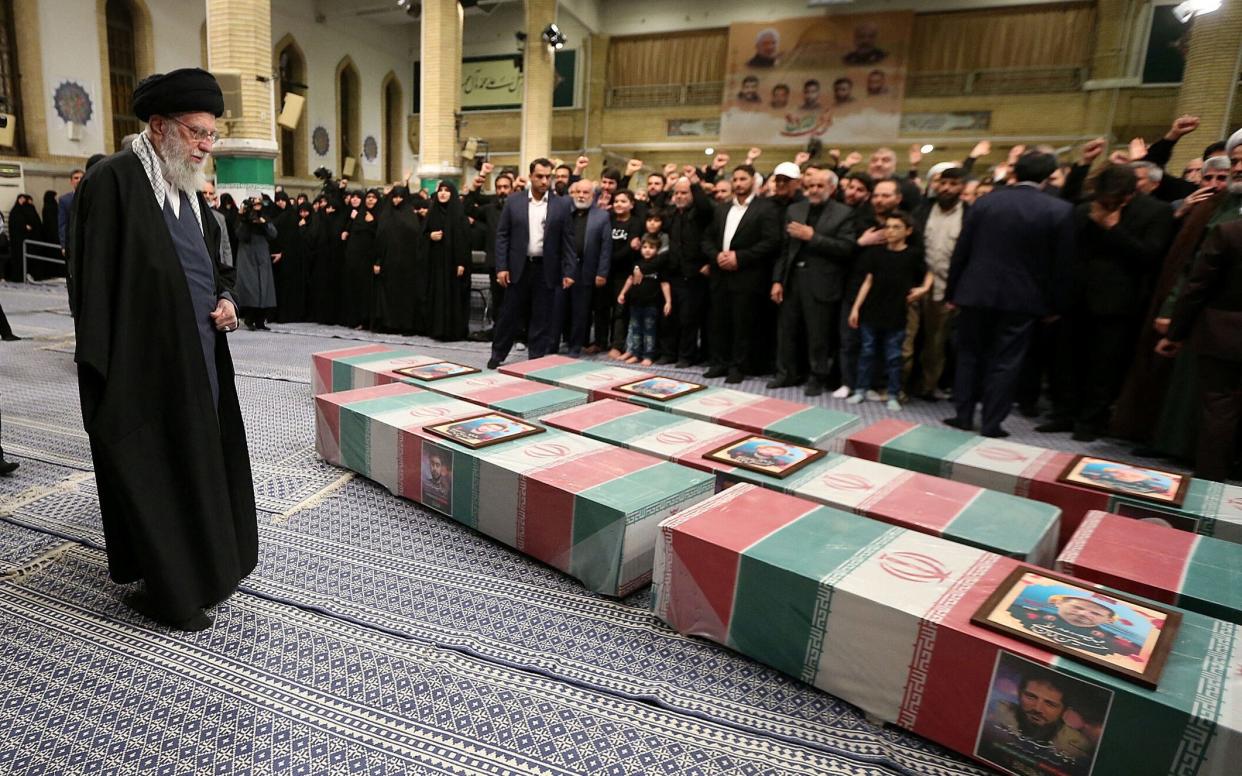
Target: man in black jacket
<point>1121,236</point>
<point>743,239</point>
<point>808,280</point>
<point>690,215</point>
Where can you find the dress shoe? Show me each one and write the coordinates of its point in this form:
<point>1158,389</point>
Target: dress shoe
<point>592,350</point>
<point>1084,434</point>
<point>1055,426</point>
<point>1146,451</point>
<point>716,371</point>
<point>8,467</point>
<point>813,388</point>
<point>1028,410</point>
<point>959,424</point>
<point>735,376</point>
<point>998,433</point>
<point>10,338</point>
<point>783,381</point>
<point>683,364</point>
<point>665,361</point>
<point>574,352</point>
<point>492,363</point>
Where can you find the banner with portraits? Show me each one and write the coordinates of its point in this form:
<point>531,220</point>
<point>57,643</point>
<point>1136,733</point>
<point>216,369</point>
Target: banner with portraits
<point>833,78</point>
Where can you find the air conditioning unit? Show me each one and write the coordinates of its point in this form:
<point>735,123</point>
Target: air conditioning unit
<point>8,133</point>
<point>231,84</point>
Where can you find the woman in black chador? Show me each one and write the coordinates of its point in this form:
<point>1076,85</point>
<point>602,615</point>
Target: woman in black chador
<point>23,225</point>
<point>400,273</point>
<point>447,242</point>
<point>360,260</point>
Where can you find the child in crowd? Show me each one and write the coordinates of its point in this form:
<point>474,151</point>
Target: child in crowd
<point>644,300</point>
<point>655,228</point>
<point>895,277</point>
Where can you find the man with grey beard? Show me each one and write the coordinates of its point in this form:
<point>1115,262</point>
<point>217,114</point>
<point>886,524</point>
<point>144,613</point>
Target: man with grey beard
<point>155,376</point>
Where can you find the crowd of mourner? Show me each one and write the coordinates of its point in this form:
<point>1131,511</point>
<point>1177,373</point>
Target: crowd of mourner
<point>1061,283</point>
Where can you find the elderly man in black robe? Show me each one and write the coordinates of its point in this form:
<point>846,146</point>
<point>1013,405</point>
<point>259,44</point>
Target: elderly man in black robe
<point>154,372</point>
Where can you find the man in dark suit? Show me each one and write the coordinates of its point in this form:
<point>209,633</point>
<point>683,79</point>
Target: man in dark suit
<point>585,269</point>
<point>1211,308</point>
<point>809,278</point>
<point>743,240</point>
<point>532,241</point>
<point>691,214</point>
<point>1010,267</point>
<point>1121,236</point>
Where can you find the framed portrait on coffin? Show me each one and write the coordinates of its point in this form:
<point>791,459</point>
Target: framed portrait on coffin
<point>437,371</point>
<point>483,430</point>
<point>765,455</point>
<point>1117,633</point>
<point>659,388</point>
<point>1126,479</point>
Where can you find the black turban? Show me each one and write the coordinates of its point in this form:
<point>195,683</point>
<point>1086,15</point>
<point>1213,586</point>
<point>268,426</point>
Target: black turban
<point>189,90</point>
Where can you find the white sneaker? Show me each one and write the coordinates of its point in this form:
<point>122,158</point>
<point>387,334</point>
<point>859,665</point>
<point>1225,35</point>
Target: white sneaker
<point>841,393</point>
<point>893,405</point>
<point>874,396</point>
<point>942,394</point>
<point>855,399</point>
<point>519,347</point>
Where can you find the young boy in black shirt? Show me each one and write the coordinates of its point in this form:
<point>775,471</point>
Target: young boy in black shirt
<point>644,301</point>
<point>895,277</point>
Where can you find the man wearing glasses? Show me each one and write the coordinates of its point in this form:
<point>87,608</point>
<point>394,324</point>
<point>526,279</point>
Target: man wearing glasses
<point>154,372</point>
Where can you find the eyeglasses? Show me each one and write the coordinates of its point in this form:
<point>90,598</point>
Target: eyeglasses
<point>198,133</point>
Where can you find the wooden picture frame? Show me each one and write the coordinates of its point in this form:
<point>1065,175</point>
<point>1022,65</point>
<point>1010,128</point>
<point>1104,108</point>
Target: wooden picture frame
<point>744,454</point>
<point>1114,632</point>
<point>470,432</point>
<point>437,370</point>
<point>637,388</point>
<point>1145,483</point>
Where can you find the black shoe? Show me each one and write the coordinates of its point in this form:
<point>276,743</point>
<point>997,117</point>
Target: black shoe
<point>10,338</point>
<point>999,433</point>
<point>716,371</point>
<point>665,361</point>
<point>1055,426</point>
<point>1028,410</point>
<point>683,365</point>
<point>140,602</point>
<point>782,381</point>
<point>492,363</point>
<point>813,388</point>
<point>735,376</point>
<point>8,467</point>
<point>1144,451</point>
<point>955,423</point>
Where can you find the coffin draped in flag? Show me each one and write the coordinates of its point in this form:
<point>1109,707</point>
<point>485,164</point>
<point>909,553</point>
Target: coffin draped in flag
<point>880,617</point>
<point>1211,508</point>
<point>791,421</point>
<point>1156,561</point>
<point>584,507</point>
<point>1004,524</point>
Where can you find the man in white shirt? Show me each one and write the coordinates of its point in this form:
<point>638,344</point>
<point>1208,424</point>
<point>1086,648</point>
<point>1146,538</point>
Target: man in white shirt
<point>941,224</point>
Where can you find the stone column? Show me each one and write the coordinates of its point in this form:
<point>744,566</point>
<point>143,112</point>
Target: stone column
<point>597,91</point>
<point>438,155</point>
<point>239,39</point>
<point>538,81</point>
<point>1210,81</point>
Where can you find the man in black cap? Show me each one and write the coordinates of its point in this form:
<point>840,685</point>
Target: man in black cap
<point>154,371</point>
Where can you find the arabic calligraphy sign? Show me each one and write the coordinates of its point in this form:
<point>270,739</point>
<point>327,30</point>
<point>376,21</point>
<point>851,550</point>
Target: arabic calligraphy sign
<point>495,82</point>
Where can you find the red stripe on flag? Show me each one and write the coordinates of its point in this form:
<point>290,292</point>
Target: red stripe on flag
<point>1141,558</point>
<point>547,517</point>
<point>758,417</point>
<point>1073,501</point>
<point>585,472</point>
<point>866,443</point>
<point>524,368</point>
<point>928,502</point>
<point>353,395</point>
<point>587,416</point>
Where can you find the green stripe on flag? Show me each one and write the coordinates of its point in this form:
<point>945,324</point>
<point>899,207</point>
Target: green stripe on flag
<point>535,404</point>
<point>925,449</point>
<point>1025,523</point>
<point>778,584</point>
<point>632,426</point>
<point>812,424</point>
<point>343,368</point>
<point>563,371</point>
<point>1214,580</point>
<point>650,490</point>
<point>598,536</point>
<point>355,441</point>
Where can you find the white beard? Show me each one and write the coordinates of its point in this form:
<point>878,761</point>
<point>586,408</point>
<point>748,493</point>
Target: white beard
<point>177,166</point>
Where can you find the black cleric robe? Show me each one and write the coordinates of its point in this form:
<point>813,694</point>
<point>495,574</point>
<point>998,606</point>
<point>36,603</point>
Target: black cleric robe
<point>171,466</point>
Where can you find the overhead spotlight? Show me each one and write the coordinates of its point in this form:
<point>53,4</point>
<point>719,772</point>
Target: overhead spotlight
<point>709,150</point>
<point>412,8</point>
<point>553,36</point>
<point>1186,11</point>
<point>927,148</point>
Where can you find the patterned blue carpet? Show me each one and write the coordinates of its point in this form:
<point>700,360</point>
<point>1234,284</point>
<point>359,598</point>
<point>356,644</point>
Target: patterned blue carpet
<point>374,637</point>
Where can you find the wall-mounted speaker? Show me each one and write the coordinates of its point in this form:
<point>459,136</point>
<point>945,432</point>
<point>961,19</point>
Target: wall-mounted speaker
<point>291,113</point>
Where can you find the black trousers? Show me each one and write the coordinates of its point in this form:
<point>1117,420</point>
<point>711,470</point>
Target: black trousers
<point>735,298</point>
<point>990,347</point>
<point>609,319</point>
<point>1220,387</point>
<point>806,316</point>
<point>5,329</point>
<point>681,331</point>
<point>529,299</point>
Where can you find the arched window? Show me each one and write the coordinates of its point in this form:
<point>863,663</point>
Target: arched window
<point>292,68</point>
<point>10,87</point>
<point>122,67</point>
<point>348,118</point>
<point>394,129</point>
